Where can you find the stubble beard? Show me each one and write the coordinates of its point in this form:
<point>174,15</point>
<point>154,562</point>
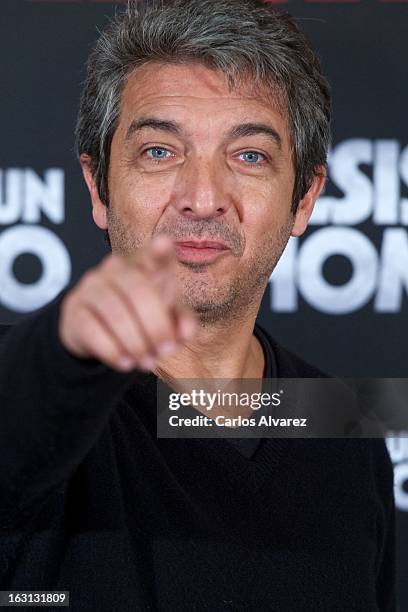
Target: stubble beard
<point>231,299</point>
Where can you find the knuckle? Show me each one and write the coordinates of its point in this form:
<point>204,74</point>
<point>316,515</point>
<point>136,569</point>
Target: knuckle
<point>113,263</point>
<point>104,348</point>
<point>111,358</point>
<point>73,328</point>
<point>83,328</point>
<point>128,280</point>
<point>66,304</point>
<point>108,304</point>
<point>108,261</point>
<point>129,337</point>
<point>69,307</point>
<point>89,275</point>
<point>164,333</point>
<point>139,354</point>
<point>87,281</point>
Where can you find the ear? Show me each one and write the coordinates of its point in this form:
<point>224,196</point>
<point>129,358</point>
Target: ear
<point>306,204</point>
<point>98,207</point>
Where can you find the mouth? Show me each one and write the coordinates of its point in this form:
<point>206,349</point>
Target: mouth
<point>200,250</point>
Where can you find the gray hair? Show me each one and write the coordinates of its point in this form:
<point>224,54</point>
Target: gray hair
<point>241,38</point>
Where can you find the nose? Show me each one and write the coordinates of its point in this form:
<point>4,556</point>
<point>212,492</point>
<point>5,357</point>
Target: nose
<point>201,190</point>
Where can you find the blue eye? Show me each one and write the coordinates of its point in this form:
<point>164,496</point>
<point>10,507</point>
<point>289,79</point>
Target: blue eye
<point>158,152</point>
<point>253,157</point>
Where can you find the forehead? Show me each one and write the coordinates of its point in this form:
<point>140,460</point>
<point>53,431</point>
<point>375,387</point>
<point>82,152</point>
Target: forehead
<point>193,92</point>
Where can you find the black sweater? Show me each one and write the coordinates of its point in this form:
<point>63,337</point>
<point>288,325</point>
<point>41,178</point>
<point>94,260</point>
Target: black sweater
<point>92,502</point>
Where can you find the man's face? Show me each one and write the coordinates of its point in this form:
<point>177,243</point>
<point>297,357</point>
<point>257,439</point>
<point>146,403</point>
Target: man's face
<point>197,162</point>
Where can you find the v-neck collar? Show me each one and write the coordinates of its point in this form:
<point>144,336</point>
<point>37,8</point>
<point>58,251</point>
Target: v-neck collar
<point>248,451</point>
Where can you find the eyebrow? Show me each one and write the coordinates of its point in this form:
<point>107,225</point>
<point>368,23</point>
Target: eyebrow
<point>237,131</point>
<point>253,129</point>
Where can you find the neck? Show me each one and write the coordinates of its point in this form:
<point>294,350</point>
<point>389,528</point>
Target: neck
<point>224,354</point>
<point>227,350</point>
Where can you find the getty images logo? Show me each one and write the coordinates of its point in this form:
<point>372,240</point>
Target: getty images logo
<point>25,200</point>
<point>370,174</point>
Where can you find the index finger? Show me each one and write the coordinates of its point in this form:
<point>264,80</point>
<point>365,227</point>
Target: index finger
<point>157,255</point>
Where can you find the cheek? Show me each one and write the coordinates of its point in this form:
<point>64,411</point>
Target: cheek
<point>266,210</point>
<point>139,202</point>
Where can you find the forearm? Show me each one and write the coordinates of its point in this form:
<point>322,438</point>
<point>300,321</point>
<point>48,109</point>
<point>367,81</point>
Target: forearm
<point>53,407</point>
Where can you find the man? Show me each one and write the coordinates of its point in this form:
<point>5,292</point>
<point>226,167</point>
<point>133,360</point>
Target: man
<point>202,135</point>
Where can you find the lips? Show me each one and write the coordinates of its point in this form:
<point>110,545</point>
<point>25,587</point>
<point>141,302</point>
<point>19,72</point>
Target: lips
<point>200,250</point>
<point>202,244</point>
